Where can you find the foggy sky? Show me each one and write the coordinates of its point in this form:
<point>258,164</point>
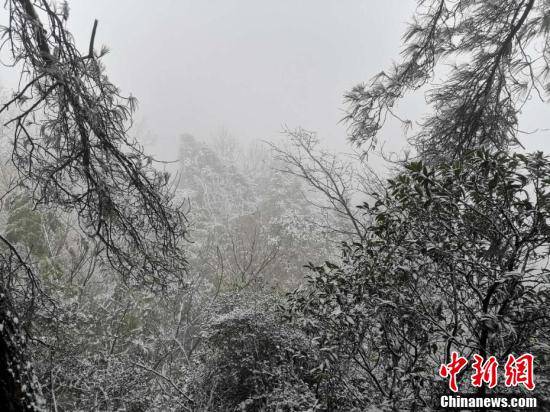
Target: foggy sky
<point>250,66</point>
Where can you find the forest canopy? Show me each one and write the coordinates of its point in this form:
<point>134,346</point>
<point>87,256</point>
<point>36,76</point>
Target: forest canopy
<point>280,276</point>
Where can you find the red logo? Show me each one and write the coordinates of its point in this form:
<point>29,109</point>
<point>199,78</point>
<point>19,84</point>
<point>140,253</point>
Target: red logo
<point>519,371</point>
<point>452,368</point>
<point>516,371</point>
<point>485,372</point>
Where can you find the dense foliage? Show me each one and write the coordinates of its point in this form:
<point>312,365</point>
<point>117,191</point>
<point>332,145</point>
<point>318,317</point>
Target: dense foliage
<point>448,254</point>
<point>252,361</point>
<point>455,261</point>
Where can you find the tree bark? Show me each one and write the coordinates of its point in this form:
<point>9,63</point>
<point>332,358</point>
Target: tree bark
<point>19,390</point>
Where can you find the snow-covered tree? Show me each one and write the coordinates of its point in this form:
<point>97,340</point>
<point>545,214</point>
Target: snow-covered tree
<point>455,260</point>
<point>72,151</point>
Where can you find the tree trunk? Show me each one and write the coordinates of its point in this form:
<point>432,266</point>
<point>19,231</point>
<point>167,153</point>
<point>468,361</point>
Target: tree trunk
<point>19,390</point>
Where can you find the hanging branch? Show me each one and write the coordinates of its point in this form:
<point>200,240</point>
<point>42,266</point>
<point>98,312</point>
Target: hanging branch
<point>72,148</point>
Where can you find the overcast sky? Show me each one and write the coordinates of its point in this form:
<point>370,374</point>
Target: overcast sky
<point>250,66</point>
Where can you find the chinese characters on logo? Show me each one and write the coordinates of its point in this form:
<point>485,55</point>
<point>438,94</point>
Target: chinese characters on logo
<point>517,371</point>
